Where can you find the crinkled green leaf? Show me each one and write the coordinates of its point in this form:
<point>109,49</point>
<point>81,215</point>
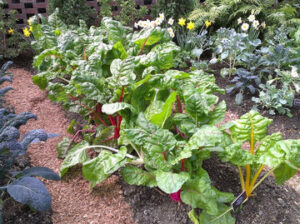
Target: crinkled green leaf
<point>285,171</point>
<point>184,123</point>
<point>76,155</point>
<point>151,35</point>
<point>197,102</point>
<point>160,118</point>
<point>208,137</point>
<point>113,108</point>
<point>266,143</point>
<point>235,155</point>
<point>119,46</point>
<point>137,176</point>
<point>198,193</point>
<point>205,217</point>
<point>98,169</point>
<point>284,155</point>
<point>170,182</point>
<point>116,31</point>
<point>251,122</point>
<point>62,147</point>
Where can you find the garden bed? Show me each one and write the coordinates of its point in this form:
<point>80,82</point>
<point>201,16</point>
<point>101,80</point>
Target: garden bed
<point>73,202</point>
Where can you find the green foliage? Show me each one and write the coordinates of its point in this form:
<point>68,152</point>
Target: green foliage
<point>282,156</point>
<point>173,8</point>
<point>71,11</point>
<point>275,99</point>
<point>128,14</point>
<point>270,11</point>
<point>12,43</point>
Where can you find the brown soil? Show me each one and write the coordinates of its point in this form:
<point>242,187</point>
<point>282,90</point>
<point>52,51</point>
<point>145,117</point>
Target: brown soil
<point>73,201</point>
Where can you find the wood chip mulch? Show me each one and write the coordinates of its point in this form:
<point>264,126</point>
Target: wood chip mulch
<point>72,199</point>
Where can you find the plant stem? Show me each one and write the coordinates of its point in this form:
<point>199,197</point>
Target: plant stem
<point>143,46</point>
<point>255,177</point>
<point>241,178</point>
<point>247,186</point>
<point>262,179</point>
<point>111,149</point>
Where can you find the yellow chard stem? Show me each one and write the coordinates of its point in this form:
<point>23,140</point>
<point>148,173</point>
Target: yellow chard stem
<point>241,178</point>
<point>248,168</point>
<point>247,187</point>
<point>255,177</point>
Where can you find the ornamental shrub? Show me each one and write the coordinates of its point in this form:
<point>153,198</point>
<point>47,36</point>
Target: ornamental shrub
<point>71,11</point>
<point>12,43</point>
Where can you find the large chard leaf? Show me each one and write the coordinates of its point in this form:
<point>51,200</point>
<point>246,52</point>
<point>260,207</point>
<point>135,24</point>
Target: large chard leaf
<point>137,176</point>
<point>198,193</point>
<point>184,123</point>
<point>284,155</point>
<point>98,169</point>
<point>170,182</point>
<point>123,71</point>
<point>77,155</point>
<point>235,155</point>
<point>161,56</point>
<point>209,138</point>
<point>150,37</point>
<point>160,118</point>
<point>197,102</point>
<point>113,108</point>
<point>116,31</point>
<point>205,217</point>
<point>250,124</point>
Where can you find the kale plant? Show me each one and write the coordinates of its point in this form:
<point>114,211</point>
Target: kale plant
<point>21,186</point>
<point>231,47</point>
<point>244,80</point>
<point>275,99</point>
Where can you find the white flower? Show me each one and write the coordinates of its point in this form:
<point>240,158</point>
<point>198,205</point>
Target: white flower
<point>294,72</point>
<point>239,21</point>
<point>170,30</point>
<point>251,18</point>
<point>171,21</point>
<point>136,25</point>
<point>255,24</point>
<point>172,35</point>
<point>158,21</point>
<point>162,16</point>
<point>154,23</point>
<point>245,26</point>
<point>264,25</point>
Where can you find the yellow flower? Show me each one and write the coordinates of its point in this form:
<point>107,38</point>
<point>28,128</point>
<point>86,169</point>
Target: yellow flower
<point>28,21</point>
<point>190,25</point>
<point>181,22</point>
<point>31,29</point>
<point>11,31</point>
<point>26,32</point>
<point>207,23</point>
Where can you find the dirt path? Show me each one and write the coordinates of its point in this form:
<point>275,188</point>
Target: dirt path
<point>73,202</point>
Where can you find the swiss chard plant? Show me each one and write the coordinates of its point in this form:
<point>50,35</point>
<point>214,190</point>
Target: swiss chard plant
<point>280,157</point>
<point>168,129</point>
<point>86,68</point>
